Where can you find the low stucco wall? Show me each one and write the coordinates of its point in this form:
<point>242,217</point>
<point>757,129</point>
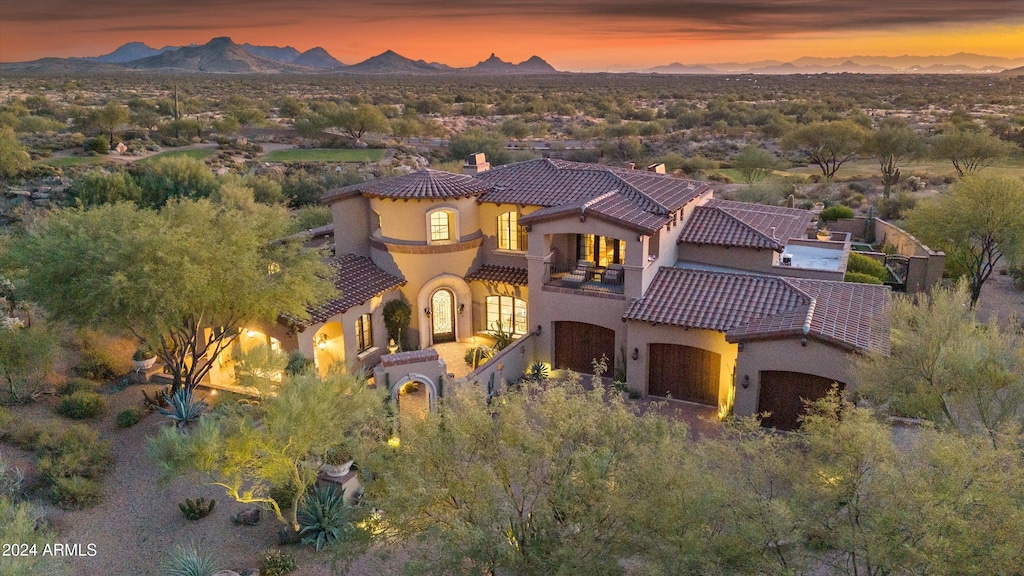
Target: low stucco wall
<point>509,364</point>
<point>788,355</point>
<point>641,335</point>
<point>926,265</point>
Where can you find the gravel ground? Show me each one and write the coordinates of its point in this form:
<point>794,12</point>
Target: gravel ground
<point>138,520</point>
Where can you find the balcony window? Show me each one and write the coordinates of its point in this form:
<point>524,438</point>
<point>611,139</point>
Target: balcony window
<point>600,250</point>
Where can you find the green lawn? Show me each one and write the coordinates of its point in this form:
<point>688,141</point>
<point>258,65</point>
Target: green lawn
<point>198,154</point>
<point>866,168</point>
<point>73,161</point>
<point>324,155</point>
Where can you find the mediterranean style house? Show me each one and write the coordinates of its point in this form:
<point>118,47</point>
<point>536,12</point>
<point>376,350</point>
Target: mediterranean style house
<point>687,296</point>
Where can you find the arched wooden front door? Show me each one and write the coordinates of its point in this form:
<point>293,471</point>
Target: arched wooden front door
<point>442,316</point>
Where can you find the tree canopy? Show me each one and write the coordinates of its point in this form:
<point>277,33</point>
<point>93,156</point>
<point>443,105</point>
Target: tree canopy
<point>754,163</point>
<point>893,144</point>
<point>969,149</point>
<point>828,145</point>
<point>183,279</point>
<point>977,222</point>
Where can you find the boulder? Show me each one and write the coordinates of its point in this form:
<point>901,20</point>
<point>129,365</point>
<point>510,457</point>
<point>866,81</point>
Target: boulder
<point>287,536</point>
<point>248,517</point>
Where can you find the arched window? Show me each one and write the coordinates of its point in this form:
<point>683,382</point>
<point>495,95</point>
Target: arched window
<point>509,311</point>
<point>442,226</point>
<point>511,236</point>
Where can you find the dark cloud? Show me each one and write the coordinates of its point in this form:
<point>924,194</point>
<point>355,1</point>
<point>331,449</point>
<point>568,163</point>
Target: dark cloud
<point>685,16</point>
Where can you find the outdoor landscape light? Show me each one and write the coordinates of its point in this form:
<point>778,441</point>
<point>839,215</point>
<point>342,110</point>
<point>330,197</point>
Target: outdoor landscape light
<point>322,342</point>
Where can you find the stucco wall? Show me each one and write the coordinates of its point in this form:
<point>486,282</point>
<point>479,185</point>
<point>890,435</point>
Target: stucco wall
<point>489,252</point>
<point>730,256</point>
<point>509,364</point>
<point>642,334</point>
<point>351,218</point>
<point>788,355</point>
<point>404,221</point>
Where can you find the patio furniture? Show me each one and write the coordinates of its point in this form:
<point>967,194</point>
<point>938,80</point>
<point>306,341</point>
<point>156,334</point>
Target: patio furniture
<point>613,275</point>
<point>581,274</point>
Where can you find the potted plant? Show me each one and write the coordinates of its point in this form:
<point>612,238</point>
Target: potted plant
<point>143,358</point>
<point>337,462</point>
<point>824,234</point>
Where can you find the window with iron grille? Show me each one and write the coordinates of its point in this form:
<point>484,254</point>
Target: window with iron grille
<point>364,333</point>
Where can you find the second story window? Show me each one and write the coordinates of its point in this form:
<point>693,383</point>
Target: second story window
<point>364,333</point>
<point>441,226</point>
<point>511,236</point>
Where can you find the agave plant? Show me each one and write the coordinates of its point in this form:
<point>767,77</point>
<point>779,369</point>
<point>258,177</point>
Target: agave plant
<point>188,560</point>
<point>185,407</point>
<point>324,517</point>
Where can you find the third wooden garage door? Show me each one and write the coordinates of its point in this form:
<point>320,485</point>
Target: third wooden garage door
<point>684,373</point>
<point>783,394</point>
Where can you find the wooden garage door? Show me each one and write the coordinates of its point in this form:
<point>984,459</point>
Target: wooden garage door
<point>783,394</point>
<point>577,344</point>
<point>684,373</point>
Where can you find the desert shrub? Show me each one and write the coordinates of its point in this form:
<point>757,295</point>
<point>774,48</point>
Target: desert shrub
<point>862,264</point>
<point>276,563</point>
<point>309,217</point>
<point>397,316</point>
<point>80,405</point>
<point>20,523</point>
<point>769,191</point>
<point>176,177</point>
<point>97,187</point>
<point>324,517</point>
<point>75,492</point>
<point>185,407</point>
<point>835,213</point>
<point>129,417</point>
<point>284,494</point>
<point>76,385</point>
<point>895,207</point>
<point>100,364</point>
<point>480,354</point>
<point>10,481</point>
<point>26,356</point>
<point>860,187</point>
<point>98,145</point>
<point>297,364</point>
<point>26,435</point>
<point>75,451</point>
<point>1016,271</point>
<point>861,278</point>
<point>189,560</point>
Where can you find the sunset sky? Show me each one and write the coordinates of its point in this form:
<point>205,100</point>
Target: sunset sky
<point>570,34</point>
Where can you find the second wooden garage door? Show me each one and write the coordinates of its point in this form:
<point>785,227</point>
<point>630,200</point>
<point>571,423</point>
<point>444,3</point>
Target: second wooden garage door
<point>577,344</point>
<point>684,373</point>
<point>783,394</point>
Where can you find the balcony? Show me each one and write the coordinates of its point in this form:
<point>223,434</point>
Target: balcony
<point>593,279</point>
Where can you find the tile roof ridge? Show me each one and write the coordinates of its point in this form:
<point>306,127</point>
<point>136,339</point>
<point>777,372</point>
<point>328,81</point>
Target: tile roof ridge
<point>662,210</point>
<point>810,315</point>
<point>777,245</point>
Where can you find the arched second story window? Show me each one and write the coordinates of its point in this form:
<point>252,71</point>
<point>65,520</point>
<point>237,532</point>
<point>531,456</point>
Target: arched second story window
<point>511,236</point>
<point>442,226</point>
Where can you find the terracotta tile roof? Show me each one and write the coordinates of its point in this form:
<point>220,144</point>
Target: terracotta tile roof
<point>634,198</point>
<point>741,224</point>
<point>500,274</point>
<point>424,184</point>
<point>358,279</point>
<point>751,307</point>
<point>410,357</point>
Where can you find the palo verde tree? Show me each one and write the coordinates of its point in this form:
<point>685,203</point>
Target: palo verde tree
<point>183,279</point>
<point>970,149</point>
<point>828,145</point>
<point>948,368</point>
<point>111,117</point>
<point>251,449</point>
<point>893,144</point>
<point>754,163</point>
<point>357,121</point>
<point>977,223</point>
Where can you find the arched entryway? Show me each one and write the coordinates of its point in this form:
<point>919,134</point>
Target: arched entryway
<point>442,316</point>
<point>414,396</point>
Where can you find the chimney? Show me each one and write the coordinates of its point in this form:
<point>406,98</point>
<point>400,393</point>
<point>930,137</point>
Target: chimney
<point>631,165</point>
<point>656,168</point>
<point>475,164</point>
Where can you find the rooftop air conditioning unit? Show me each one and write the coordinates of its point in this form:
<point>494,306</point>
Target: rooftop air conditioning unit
<point>787,259</point>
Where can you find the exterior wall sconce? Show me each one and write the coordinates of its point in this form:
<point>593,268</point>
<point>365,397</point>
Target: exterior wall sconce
<point>746,381</point>
<point>462,307</point>
<point>538,329</point>
<point>635,354</point>
<point>427,311</point>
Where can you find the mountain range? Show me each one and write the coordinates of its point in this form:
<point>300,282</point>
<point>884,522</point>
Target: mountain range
<point>222,55</point>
